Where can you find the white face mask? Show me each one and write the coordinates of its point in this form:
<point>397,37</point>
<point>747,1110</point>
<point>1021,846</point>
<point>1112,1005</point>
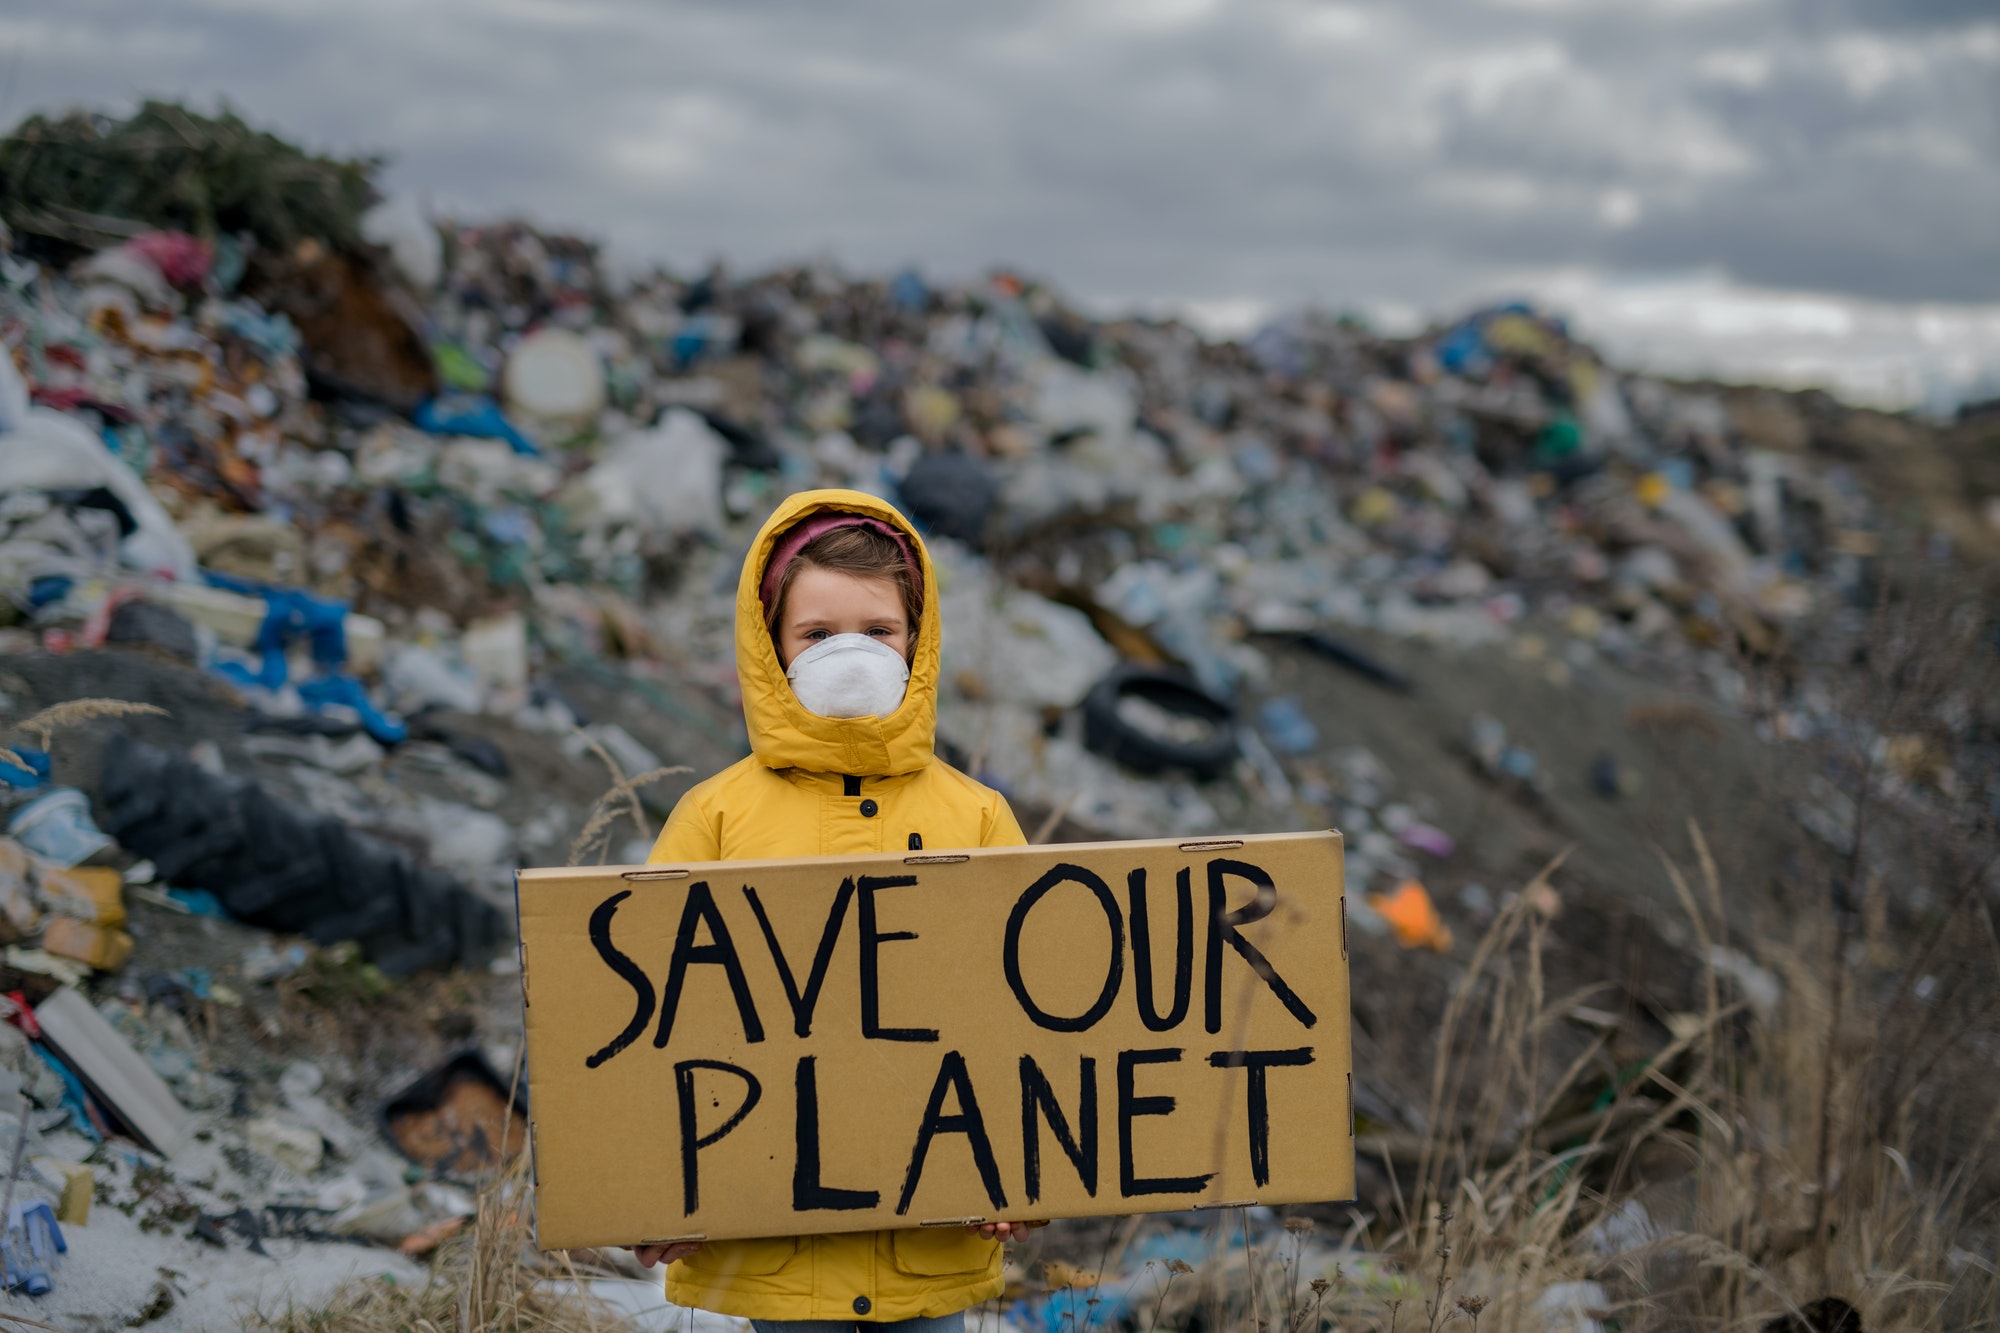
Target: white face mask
<point>850,675</point>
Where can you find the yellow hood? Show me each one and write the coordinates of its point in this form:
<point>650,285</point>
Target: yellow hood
<point>782,733</point>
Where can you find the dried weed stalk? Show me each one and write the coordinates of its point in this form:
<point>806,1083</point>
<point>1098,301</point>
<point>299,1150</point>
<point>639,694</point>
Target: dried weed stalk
<point>621,798</point>
<point>44,725</point>
<point>487,1279</point>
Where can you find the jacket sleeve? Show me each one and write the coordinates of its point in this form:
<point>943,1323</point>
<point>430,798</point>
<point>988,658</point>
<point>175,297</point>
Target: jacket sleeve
<point>1002,829</point>
<point>689,834</point>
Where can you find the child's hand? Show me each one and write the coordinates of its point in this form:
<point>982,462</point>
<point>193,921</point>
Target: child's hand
<point>648,1255</point>
<point>1006,1230</point>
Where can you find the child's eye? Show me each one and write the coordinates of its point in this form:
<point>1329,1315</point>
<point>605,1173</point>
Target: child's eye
<point>815,634</point>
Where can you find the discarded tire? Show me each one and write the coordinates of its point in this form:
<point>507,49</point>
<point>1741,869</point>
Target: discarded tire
<point>1153,721</point>
<point>275,865</point>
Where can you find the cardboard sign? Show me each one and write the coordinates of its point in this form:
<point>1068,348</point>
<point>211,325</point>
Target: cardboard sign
<point>760,1048</point>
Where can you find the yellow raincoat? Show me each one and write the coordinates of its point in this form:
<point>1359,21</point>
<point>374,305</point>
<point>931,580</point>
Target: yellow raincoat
<point>818,786</point>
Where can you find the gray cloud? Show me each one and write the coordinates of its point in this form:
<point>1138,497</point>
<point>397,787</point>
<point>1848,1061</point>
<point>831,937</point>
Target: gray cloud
<point>1268,149</point>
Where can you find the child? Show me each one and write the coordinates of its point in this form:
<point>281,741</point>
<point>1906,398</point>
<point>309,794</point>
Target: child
<point>837,651</point>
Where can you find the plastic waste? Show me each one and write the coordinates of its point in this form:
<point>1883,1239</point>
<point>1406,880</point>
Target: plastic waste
<point>196,827</point>
<point>416,676</point>
<point>288,614</point>
<point>1760,987</point>
<point>413,242</point>
<point>496,650</point>
<point>1286,726</point>
<point>1413,918</point>
<point>58,828</point>
<point>263,963</point>
<point>1069,400</point>
<point>475,845</point>
<point>631,754</point>
<point>554,375</point>
<point>126,268</point>
<point>1428,839</point>
<point>664,481</point>
<point>31,1249</point>
<point>1573,1307</point>
<point>198,902</point>
<point>1487,740</point>
<point>337,690</point>
<point>290,1145</point>
<point>45,450</point>
<point>32,771</point>
<point>471,414</point>
<point>950,495</point>
<point>1017,647</point>
<point>182,260</point>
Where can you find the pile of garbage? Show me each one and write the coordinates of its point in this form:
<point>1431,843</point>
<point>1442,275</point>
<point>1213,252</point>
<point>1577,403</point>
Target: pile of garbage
<point>492,457</point>
<point>378,471</point>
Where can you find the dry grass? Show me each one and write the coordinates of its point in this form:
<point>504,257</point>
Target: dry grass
<point>1715,1136</point>
<point>594,838</point>
<point>1694,1192</point>
<point>487,1279</point>
<point>44,725</point>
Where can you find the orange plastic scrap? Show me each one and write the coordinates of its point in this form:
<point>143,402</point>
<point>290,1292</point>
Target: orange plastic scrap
<point>1413,917</point>
<point>420,1243</point>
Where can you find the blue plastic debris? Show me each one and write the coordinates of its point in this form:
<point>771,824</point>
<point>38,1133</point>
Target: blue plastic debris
<point>31,772</point>
<point>322,621</point>
<point>46,588</point>
<point>57,827</point>
<point>288,614</point>
<point>273,335</point>
<point>472,414</point>
<point>909,291</point>
<point>1286,726</point>
<point>701,335</point>
<point>74,1099</point>
<point>1115,1302</point>
<point>1463,350</point>
<point>338,690</point>
<point>199,902</point>
<point>31,1248</point>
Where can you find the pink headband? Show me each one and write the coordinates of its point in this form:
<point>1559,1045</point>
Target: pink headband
<point>801,534</point>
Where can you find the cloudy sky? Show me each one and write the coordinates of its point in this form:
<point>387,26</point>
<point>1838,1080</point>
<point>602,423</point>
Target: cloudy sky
<point>1811,182</point>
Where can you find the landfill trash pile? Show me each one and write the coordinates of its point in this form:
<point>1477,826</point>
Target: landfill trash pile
<point>398,489</point>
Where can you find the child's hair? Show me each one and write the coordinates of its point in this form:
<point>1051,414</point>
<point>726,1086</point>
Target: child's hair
<point>861,552</point>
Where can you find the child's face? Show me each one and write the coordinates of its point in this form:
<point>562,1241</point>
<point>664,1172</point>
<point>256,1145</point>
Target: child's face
<point>822,603</point>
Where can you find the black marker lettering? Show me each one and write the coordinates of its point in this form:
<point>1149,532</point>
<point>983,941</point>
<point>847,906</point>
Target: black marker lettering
<point>631,972</point>
<point>804,1002</point>
<point>1225,925</point>
<point>1114,973</point>
<point>1080,1147</point>
<point>1259,1102</point>
<point>693,1142</point>
<point>1142,950</point>
<point>808,1195</point>
<point>871,974</point>
<point>1130,1108</point>
<point>720,951</point>
<point>967,1121</point>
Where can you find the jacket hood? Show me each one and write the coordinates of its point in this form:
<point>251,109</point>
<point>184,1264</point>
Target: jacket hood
<point>782,733</point>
